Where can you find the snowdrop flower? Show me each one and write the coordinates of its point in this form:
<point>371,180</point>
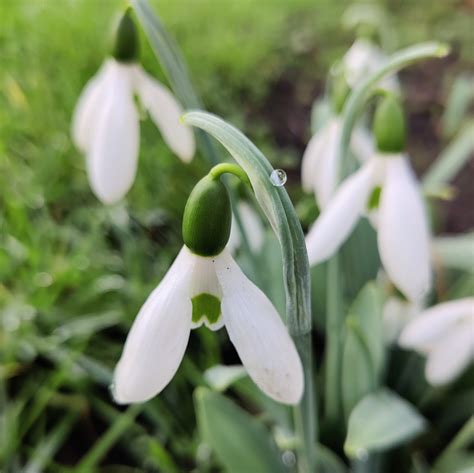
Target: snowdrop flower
<point>105,124</point>
<point>253,227</point>
<point>445,334</point>
<point>386,183</point>
<point>320,164</point>
<point>205,286</point>
<point>361,60</point>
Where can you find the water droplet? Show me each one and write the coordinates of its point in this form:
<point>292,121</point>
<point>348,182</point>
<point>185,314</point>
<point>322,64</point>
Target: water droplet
<point>278,177</point>
<point>289,458</point>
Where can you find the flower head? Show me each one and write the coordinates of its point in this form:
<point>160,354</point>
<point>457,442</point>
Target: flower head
<point>386,188</point>
<point>205,286</point>
<point>445,334</point>
<point>105,124</point>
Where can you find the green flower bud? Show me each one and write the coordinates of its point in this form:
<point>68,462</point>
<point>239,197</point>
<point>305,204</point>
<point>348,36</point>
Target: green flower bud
<point>389,125</point>
<point>126,45</point>
<point>207,217</point>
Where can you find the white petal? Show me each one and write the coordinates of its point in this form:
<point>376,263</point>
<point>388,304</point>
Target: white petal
<point>327,166</point>
<point>362,144</point>
<point>336,222</point>
<point>88,107</point>
<point>204,281</point>
<point>156,343</point>
<point>403,235</point>
<point>165,112</point>
<point>112,161</point>
<point>259,335</point>
<point>253,227</point>
<point>311,158</point>
<point>430,326</point>
<point>451,355</point>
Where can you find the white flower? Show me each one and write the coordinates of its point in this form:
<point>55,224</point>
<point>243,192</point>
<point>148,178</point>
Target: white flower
<point>445,334</point>
<point>361,60</point>
<point>402,225</point>
<point>212,291</point>
<point>106,125</point>
<point>319,166</point>
<point>253,227</point>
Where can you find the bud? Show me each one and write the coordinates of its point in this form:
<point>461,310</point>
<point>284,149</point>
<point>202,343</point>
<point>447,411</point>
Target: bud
<point>389,125</point>
<point>207,217</point>
<point>126,45</point>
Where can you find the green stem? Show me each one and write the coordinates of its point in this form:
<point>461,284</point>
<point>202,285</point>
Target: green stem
<point>334,330</point>
<point>280,212</point>
<point>176,71</point>
<point>219,169</point>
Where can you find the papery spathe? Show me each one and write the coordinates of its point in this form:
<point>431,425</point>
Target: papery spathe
<point>106,125</point>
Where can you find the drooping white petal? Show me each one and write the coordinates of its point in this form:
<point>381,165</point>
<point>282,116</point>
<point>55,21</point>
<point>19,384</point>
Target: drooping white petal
<point>156,343</point>
<point>113,154</point>
<point>362,144</point>
<point>327,165</point>
<point>88,107</point>
<point>259,335</point>
<point>451,355</point>
<point>253,227</point>
<point>403,234</point>
<point>204,281</point>
<point>336,222</point>
<point>165,113</point>
<point>311,158</point>
<point>431,325</point>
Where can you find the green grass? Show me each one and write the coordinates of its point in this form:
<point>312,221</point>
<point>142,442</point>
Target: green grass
<point>72,273</point>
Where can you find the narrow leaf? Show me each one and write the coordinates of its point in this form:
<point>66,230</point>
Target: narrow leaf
<point>240,442</point>
<point>380,421</point>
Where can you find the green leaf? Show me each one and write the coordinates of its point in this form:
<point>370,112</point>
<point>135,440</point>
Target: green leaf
<point>459,100</point>
<point>380,421</point>
<point>240,442</point>
<point>455,252</point>
<point>220,377</point>
<point>450,161</point>
<point>363,353</point>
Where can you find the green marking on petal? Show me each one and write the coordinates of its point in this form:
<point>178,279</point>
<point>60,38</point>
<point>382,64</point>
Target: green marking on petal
<point>374,198</point>
<point>206,305</point>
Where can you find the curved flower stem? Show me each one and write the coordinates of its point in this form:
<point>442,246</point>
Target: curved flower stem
<point>352,110</point>
<point>280,212</point>
<point>229,168</point>
<point>176,71</point>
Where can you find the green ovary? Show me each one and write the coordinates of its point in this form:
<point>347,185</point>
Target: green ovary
<point>208,306</point>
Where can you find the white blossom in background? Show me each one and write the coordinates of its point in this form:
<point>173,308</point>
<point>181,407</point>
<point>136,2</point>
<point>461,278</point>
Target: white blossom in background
<point>212,291</point>
<point>253,227</point>
<point>361,60</point>
<point>402,225</point>
<point>443,333</point>
<point>319,166</point>
<point>106,125</point>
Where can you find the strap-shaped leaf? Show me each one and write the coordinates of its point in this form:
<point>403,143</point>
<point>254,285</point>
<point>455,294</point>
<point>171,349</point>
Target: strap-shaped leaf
<point>380,421</point>
<point>240,442</point>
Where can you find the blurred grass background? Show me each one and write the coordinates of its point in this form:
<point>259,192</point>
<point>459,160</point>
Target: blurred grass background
<point>73,273</point>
